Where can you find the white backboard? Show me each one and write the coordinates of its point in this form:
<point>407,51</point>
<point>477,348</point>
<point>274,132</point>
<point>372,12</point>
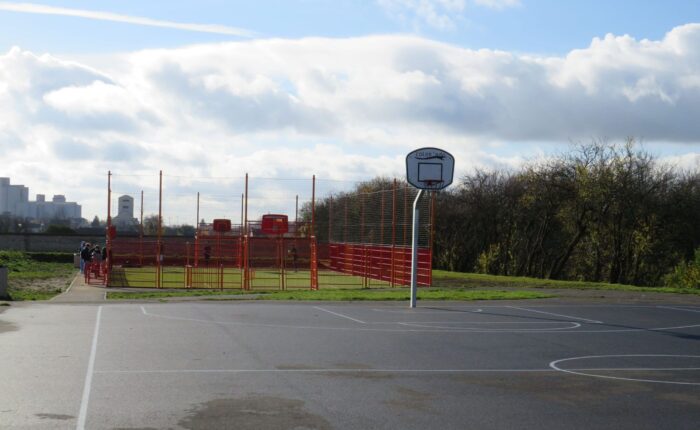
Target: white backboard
<point>430,168</point>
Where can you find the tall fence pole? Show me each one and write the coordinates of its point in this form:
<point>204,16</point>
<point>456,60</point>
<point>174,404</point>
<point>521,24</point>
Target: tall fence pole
<point>108,239</point>
<point>160,231</point>
<point>141,234</point>
<point>246,244</point>
<point>414,251</point>
<point>393,233</point>
<point>240,239</point>
<point>314,245</point>
<point>196,236</point>
<point>313,206</point>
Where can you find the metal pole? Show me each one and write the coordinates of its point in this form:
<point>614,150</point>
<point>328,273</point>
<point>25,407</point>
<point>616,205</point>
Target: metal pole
<point>246,250</point>
<point>141,234</point>
<point>313,206</point>
<point>196,236</point>
<point>109,199</point>
<point>414,251</point>
<point>240,238</point>
<point>108,240</point>
<point>160,229</point>
<point>296,210</point>
<point>393,233</point>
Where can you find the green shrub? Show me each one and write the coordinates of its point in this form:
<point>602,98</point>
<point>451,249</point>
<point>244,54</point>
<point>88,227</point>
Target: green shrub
<point>51,257</point>
<point>685,274</point>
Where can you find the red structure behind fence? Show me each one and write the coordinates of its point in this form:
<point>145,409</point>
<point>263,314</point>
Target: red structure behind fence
<point>356,239</point>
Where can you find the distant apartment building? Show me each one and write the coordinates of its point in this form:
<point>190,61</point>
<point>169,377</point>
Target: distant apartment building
<point>14,199</point>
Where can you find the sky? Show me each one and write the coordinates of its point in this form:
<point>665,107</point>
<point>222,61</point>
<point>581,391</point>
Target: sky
<point>341,89</point>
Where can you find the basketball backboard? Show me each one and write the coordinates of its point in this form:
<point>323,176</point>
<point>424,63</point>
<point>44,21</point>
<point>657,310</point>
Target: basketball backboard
<point>430,168</point>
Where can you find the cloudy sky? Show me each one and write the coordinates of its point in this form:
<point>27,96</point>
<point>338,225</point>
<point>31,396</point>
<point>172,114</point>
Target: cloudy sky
<point>342,89</point>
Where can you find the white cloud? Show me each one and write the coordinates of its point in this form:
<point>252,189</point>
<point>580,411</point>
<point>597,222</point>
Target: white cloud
<point>440,14</point>
<point>497,4</point>
<point>340,108</point>
<point>115,17</point>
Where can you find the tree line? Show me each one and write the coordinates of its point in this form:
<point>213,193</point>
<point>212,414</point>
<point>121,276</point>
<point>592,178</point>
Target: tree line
<point>601,212</point>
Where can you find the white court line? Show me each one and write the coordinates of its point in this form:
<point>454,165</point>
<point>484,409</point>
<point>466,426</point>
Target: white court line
<point>557,315</point>
<point>324,370</point>
<point>680,309</point>
<point>573,325</point>
<point>554,365</point>
<point>339,315</point>
<point>82,416</point>
<point>424,312</point>
<point>69,286</point>
<point>364,370</point>
<point>407,330</point>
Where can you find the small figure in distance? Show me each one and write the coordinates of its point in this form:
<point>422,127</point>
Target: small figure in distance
<point>80,255</point>
<point>97,254</point>
<point>85,255</point>
<point>207,255</point>
<point>293,254</point>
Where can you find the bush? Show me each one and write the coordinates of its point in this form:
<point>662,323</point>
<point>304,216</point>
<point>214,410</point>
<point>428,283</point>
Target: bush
<point>685,274</point>
<point>51,257</point>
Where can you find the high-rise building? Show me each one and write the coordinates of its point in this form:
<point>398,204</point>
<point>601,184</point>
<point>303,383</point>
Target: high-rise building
<point>14,199</point>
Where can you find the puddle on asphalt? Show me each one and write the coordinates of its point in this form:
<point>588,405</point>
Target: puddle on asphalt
<point>256,412</point>
<point>409,399</point>
<point>6,326</point>
<point>55,416</point>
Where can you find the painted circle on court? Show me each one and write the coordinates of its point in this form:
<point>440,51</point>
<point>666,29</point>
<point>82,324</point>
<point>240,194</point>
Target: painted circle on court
<point>488,326</point>
<point>662,368</point>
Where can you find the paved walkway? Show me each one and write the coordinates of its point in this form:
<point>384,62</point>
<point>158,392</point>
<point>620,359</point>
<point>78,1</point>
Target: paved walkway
<point>80,292</point>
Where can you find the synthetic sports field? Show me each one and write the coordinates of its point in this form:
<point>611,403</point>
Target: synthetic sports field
<point>508,365</point>
<point>174,277</point>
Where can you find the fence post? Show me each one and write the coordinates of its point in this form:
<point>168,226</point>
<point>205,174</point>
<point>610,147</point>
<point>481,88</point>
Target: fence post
<point>393,234</point>
<point>3,284</point>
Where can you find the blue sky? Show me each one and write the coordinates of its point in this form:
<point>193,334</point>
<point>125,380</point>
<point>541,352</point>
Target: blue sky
<point>343,89</point>
<point>538,26</point>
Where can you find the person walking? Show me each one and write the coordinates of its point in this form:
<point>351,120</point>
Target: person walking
<point>85,256</point>
<point>80,255</point>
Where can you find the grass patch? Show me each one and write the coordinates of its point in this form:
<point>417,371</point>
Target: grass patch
<point>22,266</point>
<point>27,294</point>
<point>339,294</point>
<point>35,279</point>
<point>442,278</point>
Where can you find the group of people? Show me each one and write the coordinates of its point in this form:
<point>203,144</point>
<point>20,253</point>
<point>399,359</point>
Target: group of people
<point>91,253</point>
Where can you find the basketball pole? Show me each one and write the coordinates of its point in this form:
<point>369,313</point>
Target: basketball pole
<point>414,251</point>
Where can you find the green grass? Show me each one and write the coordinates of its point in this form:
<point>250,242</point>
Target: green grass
<point>339,294</point>
<point>174,278</point>
<point>22,266</point>
<point>442,278</point>
<point>30,295</point>
<point>35,279</point>
<point>446,286</point>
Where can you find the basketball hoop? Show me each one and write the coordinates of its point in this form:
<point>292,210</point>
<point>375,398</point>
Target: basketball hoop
<point>429,168</point>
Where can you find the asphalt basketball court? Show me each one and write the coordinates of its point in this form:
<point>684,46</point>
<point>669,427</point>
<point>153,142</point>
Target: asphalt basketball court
<point>259,365</point>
